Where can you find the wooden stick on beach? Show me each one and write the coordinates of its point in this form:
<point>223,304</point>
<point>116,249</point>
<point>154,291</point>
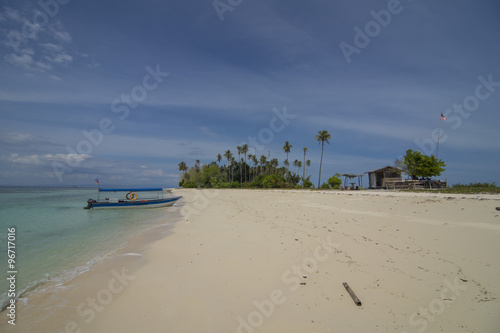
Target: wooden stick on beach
<point>353,295</point>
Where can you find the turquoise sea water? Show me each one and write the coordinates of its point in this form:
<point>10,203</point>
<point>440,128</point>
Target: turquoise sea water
<point>56,239</point>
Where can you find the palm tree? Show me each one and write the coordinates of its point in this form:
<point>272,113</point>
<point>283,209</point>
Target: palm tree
<point>274,164</point>
<point>183,167</point>
<point>322,136</point>
<point>244,150</point>
<point>239,159</point>
<point>304,173</point>
<point>296,164</point>
<point>263,160</point>
<point>287,164</point>
<point>250,158</point>
<point>233,162</point>
<point>255,163</point>
<point>219,158</point>
<point>287,148</point>
<point>228,155</point>
<point>197,165</point>
<point>308,164</point>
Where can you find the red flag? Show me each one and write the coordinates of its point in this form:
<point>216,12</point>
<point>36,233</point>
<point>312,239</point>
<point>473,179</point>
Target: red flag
<point>443,117</point>
<point>96,181</point>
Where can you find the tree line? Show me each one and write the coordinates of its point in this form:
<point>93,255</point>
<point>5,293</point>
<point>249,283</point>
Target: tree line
<point>250,170</point>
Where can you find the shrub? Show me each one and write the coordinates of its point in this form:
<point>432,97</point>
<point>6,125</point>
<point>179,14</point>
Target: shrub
<point>273,181</point>
<point>335,181</point>
<point>257,182</point>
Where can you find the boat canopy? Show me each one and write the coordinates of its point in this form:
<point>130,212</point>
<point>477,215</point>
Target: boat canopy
<point>150,189</point>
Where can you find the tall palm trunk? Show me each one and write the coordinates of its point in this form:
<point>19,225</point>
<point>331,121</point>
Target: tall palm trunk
<point>321,163</point>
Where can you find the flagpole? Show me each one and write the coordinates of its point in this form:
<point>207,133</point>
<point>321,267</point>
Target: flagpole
<point>439,133</point>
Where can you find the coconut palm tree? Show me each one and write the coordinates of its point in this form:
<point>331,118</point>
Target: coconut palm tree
<point>263,160</point>
<point>287,164</point>
<point>308,164</point>
<point>244,150</point>
<point>322,137</point>
<point>250,158</point>
<point>274,164</point>
<point>183,167</point>
<point>287,148</point>
<point>219,158</point>
<point>239,159</point>
<point>296,164</point>
<point>255,164</point>
<point>229,156</point>
<point>304,173</point>
<point>233,163</point>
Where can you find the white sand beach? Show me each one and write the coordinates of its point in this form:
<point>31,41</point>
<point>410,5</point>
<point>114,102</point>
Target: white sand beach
<point>275,261</point>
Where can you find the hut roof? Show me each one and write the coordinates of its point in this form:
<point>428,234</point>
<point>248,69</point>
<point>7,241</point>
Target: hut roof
<point>388,167</point>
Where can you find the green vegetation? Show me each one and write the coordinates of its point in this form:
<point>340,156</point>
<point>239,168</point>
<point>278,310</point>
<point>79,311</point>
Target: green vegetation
<point>335,181</point>
<point>420,166</point>
<point>251,171</point>
<point>472,188</point>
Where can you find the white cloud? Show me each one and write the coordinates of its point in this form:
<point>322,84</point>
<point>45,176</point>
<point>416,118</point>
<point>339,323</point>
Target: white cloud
<point>55,77</point>
<point>61,59</point>
<point>207,131</point>
<point>25,60</point>
<point>47,159</point>
<point>62,36</point>
<point>152,173</point>
<point>43,65</point>
<point>52,48</point>
<point>13,14</point>
<point>14,137</point>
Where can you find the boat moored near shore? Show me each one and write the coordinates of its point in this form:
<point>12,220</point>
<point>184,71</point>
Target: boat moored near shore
<point>134,198</point>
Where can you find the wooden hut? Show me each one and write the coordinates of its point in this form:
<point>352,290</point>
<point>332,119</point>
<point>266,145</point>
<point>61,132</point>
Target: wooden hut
<point>384,177</point>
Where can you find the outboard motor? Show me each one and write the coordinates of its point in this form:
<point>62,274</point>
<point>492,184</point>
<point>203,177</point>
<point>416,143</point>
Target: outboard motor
<point>90,203</point>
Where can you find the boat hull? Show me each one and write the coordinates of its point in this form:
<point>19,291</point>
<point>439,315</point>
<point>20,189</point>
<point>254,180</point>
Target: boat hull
<point>135,204</point>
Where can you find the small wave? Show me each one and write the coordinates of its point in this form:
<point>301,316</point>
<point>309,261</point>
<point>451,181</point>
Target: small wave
<point>133,254</point>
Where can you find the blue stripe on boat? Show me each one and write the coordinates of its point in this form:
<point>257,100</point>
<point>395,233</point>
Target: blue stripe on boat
<point>151,189</point>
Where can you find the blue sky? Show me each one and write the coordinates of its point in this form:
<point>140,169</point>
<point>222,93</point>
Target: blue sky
<point>125,90</point>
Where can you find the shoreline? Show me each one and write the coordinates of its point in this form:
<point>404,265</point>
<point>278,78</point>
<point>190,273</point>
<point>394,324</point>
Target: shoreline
<point>61,295</point>
<point>275,260</point>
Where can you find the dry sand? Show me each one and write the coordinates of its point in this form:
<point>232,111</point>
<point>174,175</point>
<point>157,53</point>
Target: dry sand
<point>274,261</point>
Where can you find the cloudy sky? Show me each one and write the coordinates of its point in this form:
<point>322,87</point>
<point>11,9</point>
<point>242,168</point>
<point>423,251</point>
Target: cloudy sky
<point>125,90</point>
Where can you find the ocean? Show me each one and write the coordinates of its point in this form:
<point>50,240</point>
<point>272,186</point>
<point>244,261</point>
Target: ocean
<point>56,239</point>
